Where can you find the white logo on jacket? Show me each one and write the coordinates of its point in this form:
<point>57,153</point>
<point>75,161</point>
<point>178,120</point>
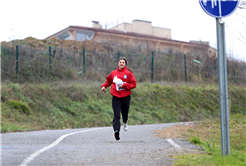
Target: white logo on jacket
<point>118,82</point>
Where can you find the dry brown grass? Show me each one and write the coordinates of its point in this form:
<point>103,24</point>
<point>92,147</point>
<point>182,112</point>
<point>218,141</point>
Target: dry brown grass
<point>177,131</point>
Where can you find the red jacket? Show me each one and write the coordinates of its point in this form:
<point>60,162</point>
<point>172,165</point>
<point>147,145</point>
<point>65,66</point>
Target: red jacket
<point>129,82</point>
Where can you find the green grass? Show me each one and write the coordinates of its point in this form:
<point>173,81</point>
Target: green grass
<point>195,140</point>
<point>18,105</point>
<point>208,132</point>
<point>59,105</point>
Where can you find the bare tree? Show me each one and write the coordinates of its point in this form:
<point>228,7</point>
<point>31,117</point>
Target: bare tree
<point>242,4</point>
<point>238,24</point>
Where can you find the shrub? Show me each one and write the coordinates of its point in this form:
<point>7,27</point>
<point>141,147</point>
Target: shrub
<point>14,87</point>
<point>196,140</point>
<point>20,106</point>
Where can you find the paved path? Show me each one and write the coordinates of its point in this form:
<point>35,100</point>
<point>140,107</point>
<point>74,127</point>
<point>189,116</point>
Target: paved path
<point>90,146</point>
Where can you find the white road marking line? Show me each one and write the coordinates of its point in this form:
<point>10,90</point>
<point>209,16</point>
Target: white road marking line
<point>173,143</point>
<point>37,153</point>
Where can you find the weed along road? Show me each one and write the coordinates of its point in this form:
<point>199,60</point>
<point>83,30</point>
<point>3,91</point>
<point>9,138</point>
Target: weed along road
<point>92,146</point>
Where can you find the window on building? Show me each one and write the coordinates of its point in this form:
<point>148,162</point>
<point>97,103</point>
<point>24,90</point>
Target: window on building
<point>83,35</point>
<point>64,36</point>
<point>166,50</point>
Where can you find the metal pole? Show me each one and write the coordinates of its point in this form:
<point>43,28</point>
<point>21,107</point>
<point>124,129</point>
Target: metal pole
<point>152,67</point>
<point>118,54</point>
<point>17,54</point>
<point>84,61</point>
<point>185,68</point>
<point>50,60</point>
<point>226,94</point>
<point>223,92</point>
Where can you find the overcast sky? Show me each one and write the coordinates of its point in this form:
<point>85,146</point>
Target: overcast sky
<point>186,19</point>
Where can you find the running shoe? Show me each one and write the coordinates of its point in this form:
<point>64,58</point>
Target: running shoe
<point>117,135</point>
<point>125,126</point>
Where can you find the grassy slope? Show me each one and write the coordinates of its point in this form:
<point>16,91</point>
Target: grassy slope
<point>74,105</point>
<point>206,134</point>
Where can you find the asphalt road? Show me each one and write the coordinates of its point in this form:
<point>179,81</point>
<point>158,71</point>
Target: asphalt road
<point>91,146</point>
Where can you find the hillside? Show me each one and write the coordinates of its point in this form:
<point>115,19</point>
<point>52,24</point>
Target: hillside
<point>66,44</point>
<point>61,105</point>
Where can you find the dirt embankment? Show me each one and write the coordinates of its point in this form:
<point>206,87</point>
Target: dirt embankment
<point>65,44</point>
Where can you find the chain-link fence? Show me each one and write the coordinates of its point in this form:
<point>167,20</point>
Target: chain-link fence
<point>24,64</point>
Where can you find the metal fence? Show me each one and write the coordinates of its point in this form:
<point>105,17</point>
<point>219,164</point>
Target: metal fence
<point>24,64</point>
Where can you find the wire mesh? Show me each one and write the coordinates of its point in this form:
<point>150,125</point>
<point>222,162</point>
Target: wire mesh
<point>36,66</point>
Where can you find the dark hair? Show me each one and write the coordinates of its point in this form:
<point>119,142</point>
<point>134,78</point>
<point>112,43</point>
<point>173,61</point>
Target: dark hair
<point>122,58</point>
<point>130,69</point>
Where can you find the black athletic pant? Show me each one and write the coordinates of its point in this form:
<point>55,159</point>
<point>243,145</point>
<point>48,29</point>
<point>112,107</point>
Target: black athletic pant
<point>120,105</point>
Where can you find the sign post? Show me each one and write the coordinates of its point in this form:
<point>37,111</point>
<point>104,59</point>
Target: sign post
<point>219,9</point>
<point>223,92</point>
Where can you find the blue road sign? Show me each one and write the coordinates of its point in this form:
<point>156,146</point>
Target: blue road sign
<point>219,8</point>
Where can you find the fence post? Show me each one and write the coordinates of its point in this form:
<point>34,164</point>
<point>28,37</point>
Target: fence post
<point>84,62</point>
<point>50,60</point>
<point>118,54</point>
<point>17,54</point>
<point>185,68</point>
<point>152,67</point>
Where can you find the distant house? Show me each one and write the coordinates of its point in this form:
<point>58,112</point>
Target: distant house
<point>143,27</point>
<point>140,34</point>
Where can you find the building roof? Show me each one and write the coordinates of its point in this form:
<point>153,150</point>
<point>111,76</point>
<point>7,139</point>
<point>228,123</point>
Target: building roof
<point>121,33</point>
<point>142,21</point>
